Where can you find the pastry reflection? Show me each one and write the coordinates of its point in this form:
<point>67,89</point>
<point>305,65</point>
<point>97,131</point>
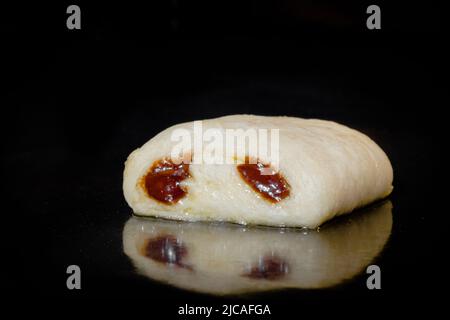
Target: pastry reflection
<point>230,259</point>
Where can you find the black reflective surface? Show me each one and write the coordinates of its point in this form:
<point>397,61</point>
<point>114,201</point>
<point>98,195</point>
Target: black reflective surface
<point>227,260</point>
<point>78,104</point>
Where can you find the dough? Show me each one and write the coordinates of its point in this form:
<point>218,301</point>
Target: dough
<point>325,170</point>
<point>225,259</point>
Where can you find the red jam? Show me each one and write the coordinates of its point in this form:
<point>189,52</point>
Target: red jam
<point>273,186</point>
<point>163,181</point>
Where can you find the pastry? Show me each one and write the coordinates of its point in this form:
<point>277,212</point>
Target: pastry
<point>300,173</point>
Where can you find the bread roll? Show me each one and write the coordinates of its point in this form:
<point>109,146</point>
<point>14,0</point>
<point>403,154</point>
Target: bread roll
<point>320,169</point>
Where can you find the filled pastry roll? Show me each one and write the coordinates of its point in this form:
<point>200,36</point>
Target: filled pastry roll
<point>277,171</point>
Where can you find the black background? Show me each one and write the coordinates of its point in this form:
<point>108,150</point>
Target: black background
<point>77,102</point>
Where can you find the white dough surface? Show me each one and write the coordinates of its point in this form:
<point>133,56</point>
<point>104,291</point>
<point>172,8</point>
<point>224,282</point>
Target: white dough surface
<point>331,170</point>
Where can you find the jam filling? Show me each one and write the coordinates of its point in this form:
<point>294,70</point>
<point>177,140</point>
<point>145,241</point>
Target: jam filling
<point>163,181</point>
<point>272,187</point>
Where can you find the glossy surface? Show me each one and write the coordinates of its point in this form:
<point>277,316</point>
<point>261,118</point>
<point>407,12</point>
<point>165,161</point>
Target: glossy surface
<point>227,259</point>
<point>269,268</point>
<point>166,249</point>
